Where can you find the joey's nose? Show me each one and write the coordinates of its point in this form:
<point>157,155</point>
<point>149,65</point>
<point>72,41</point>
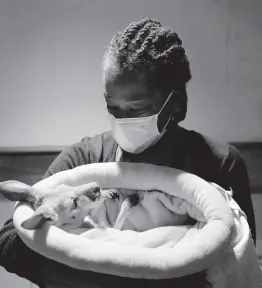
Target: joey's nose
<point>96,189</point>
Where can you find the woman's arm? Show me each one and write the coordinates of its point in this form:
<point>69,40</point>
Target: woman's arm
<point>234,171</point>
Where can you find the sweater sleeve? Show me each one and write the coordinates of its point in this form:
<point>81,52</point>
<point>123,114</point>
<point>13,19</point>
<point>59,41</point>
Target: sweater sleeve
<point>73,156</point>
<point>15,256</point>
<point>235,173</point>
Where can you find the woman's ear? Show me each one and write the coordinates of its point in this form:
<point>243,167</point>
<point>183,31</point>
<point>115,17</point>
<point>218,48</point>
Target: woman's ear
<point>16,191</point>
<point>40,217</point>
<point>179,105</point>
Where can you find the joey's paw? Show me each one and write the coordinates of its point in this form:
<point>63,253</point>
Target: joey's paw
<point>113,194</point>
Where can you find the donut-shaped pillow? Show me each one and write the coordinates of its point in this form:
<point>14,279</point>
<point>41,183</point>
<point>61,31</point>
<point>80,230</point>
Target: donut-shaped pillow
<point>187,257</point>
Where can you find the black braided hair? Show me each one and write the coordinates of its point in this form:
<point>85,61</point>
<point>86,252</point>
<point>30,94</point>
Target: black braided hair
<point>146,45</point>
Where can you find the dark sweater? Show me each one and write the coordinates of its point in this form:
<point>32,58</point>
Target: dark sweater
<point>178,148</point>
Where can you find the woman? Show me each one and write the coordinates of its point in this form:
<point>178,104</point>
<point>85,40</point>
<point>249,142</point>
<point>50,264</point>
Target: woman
<point>145,72</point>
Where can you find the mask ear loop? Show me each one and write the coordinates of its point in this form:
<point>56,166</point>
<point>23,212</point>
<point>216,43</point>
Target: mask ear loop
<point>171,117</point>
<point>167,99</point>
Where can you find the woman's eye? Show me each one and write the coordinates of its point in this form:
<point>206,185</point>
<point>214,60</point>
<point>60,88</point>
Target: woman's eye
<point>112,108</point>
<point>135,109</point>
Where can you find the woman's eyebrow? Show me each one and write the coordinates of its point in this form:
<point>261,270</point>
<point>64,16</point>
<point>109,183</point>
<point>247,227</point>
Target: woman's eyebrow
<point>139,95</point>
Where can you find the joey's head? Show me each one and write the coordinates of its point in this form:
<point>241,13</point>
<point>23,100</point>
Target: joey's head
<point>63,206</point>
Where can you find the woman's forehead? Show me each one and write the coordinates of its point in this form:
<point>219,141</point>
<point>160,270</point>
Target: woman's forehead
<point>115,78</point>
<point>129,86</point>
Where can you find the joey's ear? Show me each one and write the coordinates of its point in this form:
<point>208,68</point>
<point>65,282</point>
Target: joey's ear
<point>40,217</point>
<point>16,191</point>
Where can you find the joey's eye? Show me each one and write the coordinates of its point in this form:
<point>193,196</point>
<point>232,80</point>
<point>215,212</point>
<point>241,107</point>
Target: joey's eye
<point>75,203</point>
<point>48,219</point>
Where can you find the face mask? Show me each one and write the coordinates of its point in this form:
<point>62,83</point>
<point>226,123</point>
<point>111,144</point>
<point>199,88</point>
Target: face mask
<point>134,135</point>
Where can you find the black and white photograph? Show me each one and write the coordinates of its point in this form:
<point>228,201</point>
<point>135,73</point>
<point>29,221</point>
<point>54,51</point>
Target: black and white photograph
<point>130,143</point>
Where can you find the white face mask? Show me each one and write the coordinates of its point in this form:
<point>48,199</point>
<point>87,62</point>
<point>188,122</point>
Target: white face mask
<point>134,135</point>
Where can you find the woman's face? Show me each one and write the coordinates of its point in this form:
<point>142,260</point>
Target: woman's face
<point>131,95</point>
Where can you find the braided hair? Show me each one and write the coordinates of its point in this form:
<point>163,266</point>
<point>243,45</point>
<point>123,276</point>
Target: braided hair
<point>147,46</point>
